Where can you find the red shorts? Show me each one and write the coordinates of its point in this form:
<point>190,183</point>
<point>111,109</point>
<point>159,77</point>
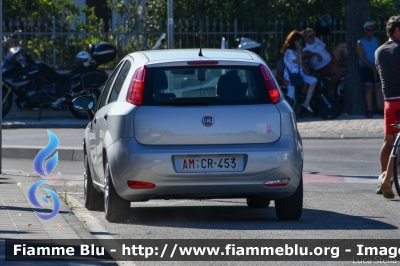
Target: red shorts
<point>391,116</point>
<point>327,69</point>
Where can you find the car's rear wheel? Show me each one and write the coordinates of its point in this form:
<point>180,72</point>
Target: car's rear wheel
<point>94,200</point>
<point>257,201</point>
<point>116,208</point>
<point>290,208</point>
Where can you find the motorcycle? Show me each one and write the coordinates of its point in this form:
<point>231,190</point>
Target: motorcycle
<point>38,86</point>
<point>328,107</point>
<point>243,43</point>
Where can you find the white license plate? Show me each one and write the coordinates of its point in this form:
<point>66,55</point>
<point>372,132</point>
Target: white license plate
<point>210,163</point>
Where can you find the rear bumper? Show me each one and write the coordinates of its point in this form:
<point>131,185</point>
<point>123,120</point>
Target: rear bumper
<point>130,160</point>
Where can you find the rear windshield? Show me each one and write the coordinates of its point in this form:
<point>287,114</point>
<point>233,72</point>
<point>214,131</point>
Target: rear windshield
<point>205,85</point>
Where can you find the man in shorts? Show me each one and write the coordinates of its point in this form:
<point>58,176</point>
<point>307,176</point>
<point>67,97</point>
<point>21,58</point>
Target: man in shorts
<point>387,58</point>
<point>323,60</point>
<point>366,48</point>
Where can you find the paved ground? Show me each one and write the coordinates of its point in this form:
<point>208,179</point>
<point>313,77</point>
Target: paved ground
<point>18,220</point>
<point>345,126</point>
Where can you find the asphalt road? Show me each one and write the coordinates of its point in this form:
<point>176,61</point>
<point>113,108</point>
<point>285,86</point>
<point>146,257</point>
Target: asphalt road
<point>339,202</point>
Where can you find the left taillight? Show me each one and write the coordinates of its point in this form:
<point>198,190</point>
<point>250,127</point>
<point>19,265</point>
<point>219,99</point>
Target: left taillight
<point>136,87</point>
<point>272,88</point>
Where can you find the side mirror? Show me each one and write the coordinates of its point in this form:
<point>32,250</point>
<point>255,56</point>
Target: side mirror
<point>84,103</point>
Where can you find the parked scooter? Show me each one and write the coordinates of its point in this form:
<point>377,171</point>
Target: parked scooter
<point>243,44</point>
<point>37,86</point>
<point>160,42</point>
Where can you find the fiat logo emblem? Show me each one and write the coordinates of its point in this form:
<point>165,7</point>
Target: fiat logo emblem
<point>207,120</point>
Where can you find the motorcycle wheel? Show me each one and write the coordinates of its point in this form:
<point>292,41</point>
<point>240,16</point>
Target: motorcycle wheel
<point>330,111</point>
<point>290,101</point>
<point>79,114</point>
<point>6,107</point>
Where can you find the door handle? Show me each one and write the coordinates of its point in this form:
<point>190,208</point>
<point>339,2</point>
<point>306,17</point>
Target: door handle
<point>106,116</point>
<point>95,120</point>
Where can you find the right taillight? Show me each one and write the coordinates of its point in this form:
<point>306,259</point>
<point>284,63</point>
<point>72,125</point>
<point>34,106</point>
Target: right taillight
<point>136,87</point>
<point>272,88</point>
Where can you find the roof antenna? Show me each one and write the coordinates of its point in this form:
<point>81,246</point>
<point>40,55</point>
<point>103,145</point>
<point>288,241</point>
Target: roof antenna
<point>200,53</point>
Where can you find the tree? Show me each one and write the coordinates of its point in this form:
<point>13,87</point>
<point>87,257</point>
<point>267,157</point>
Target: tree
<point>32,16</point>
<point>39,9</point>
<point>246,10</point>
<point>357,12</point>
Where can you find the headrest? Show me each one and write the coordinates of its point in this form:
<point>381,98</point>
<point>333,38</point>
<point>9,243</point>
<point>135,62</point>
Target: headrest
<point>231,87</point>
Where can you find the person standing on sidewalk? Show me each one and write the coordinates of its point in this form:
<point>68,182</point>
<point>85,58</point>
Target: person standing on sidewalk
<point>387,59</point>
<point>366,48</point>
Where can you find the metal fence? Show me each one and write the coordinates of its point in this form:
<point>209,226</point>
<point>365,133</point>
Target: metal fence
<point>57,43</point>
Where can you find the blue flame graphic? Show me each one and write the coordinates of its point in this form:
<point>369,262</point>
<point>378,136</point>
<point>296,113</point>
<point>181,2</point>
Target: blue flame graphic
<point>44,153</point>
<point>50,165</point>
<point>35,202</point>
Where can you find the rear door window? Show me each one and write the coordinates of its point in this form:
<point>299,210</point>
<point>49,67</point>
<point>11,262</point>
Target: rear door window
<point>213,85</point>
<point>119,81</point>
<point>107,87</point>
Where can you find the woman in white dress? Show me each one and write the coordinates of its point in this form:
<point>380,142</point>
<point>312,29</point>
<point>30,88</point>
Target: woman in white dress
<point>292,57</point>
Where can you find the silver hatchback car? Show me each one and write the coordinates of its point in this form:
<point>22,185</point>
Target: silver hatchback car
<point>179,124</point>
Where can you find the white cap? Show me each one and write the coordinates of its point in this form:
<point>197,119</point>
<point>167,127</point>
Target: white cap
<point>368,24</point>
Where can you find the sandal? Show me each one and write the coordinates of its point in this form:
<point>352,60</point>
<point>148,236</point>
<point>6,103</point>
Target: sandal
<point>379,189</point>
<point>387,191</point>
<point>308,108</point>
<point>381,178</point>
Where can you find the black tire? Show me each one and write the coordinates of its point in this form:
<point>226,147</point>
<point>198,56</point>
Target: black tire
<point>290,208</point>
<point>95,93</point>
<point>290,101</point>
<point>94,200</point>
<point>257,201</point>
<point>6,107</point>
<point>299,97</point>
<point>329,109</point>
<point>396,175</point>
<point>116,208</point>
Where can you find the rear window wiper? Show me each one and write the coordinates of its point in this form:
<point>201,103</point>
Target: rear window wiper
<point>185,101</point>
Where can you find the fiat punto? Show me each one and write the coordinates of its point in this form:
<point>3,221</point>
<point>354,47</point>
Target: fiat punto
<point>190,124</point>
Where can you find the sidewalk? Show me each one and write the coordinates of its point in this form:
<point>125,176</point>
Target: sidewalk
<point>343,127</point>
<point>18,221</point>
<point>45,122</point>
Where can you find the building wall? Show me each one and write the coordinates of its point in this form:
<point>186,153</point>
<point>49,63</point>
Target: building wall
<point>101,11</point>
<point>80,4</point>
